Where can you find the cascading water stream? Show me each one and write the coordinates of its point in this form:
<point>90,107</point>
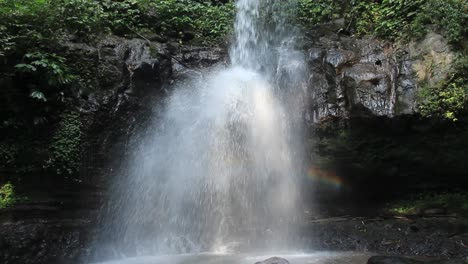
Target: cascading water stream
<point>217,170</point>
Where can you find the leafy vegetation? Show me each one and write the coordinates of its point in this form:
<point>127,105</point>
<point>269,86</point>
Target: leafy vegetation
<point>386,18</point>
<point>7,195</point>
<point>318,11</point>
<point>415,205</point>
<point>49,73</point>
<point>206,21</point>
<point>449,98</point>
<point>390,19</point>
<point>449,16</point>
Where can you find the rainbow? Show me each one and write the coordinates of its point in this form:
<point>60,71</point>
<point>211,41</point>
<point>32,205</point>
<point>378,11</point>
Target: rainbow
<point>328,177</point>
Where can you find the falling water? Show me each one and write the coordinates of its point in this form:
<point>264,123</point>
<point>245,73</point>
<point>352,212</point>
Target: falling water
<point>217,171</point>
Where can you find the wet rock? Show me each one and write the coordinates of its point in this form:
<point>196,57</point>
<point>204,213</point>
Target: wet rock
<point>274,260</point>
<point>189,61</point>
<point>436,237</point>
<point>391,260</point>
<point>432,58</point>
<point>434,211</point>
<point>201,56</point>
<point>44,241</point>
<point>405,260</point>
<point>187,36</point>
<point>361,81</point>
<point>338,58</point>
<point>316,54</point>
<point>373,78</point>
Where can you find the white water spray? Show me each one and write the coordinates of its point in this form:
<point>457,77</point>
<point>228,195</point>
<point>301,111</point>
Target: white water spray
<point>217,172</point>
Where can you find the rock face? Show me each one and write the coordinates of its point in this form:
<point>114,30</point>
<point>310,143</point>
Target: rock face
<point>351,80</point>
<point>127,79</point>
<point>369,78</point>
<point>274,260</point>
<point>122,77</point>
<point>362,116</point>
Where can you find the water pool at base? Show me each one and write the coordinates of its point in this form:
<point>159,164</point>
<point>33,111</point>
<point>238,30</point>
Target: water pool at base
<point>209,258</point>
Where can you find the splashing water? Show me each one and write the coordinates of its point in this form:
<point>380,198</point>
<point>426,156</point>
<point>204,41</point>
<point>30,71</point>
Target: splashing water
<point>217,171</point>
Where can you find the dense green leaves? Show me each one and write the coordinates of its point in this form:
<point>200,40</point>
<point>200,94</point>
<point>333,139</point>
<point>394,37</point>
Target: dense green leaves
<point>450,16</point>
<point>7,195</point>
<point>48,72</point>
<point>390,19</point>
<point>27,25</point>
<point>318,11</point>
<point>387,19</point>
<point>449,98</point>
<point>207,21</point>
<point>81,17</point>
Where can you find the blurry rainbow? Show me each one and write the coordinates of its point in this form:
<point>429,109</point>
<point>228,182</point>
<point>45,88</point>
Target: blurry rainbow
<point>328,177</point>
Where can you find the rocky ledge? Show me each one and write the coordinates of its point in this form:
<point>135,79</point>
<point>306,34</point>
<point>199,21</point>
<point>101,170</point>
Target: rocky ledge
<point>438,236</point>
<point>406,260</point>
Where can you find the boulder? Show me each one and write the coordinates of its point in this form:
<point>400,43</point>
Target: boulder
<point>274,260</point>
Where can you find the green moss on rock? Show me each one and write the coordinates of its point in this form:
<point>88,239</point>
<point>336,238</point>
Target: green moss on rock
<point>65,151</point>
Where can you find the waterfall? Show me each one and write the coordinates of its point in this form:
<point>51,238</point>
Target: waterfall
<point>217,170</point>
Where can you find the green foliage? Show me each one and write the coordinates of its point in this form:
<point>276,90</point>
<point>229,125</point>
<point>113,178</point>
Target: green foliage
<point>449,98</point>
<point>6,41</point>
<point>7,195</point>
<point>27,23</point>
<point>27,26</point>
<point>81,17</point>
<point>387,19</point>
<point>414,205</point>
<point>18,20</point>
<point>215,22</point>
<point>318,11</point>
<point>390,19</point>
<point>65,146</point>
<point>173,16</point>
<point>122,16</point>
<point>449,16</point>
<point>49,72</point>
<point>207,21</point>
